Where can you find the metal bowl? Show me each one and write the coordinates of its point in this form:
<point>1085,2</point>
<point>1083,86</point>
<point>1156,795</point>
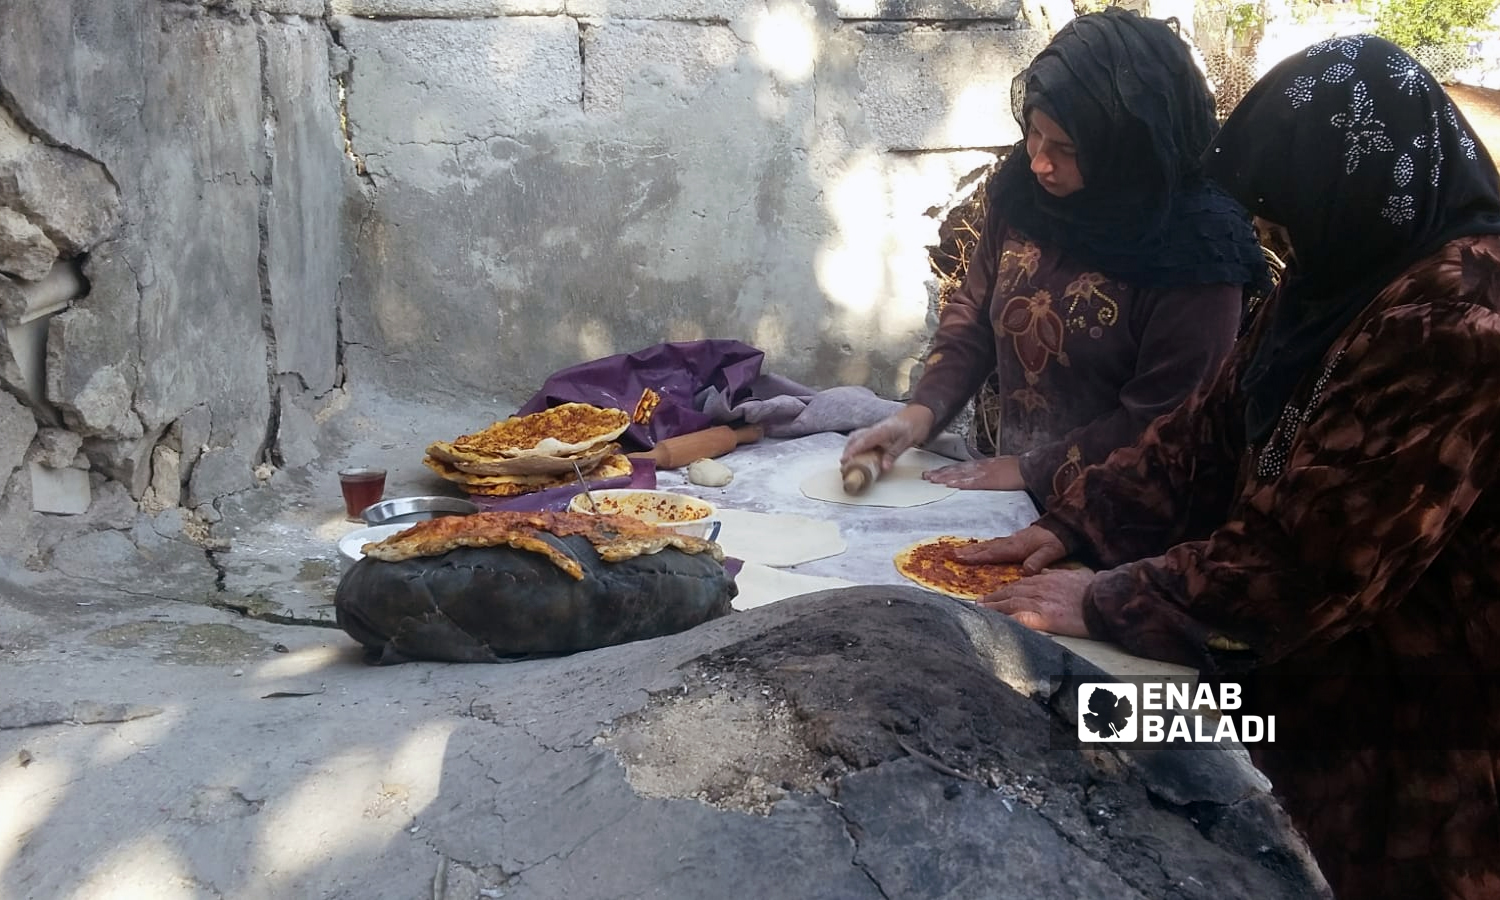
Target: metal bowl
<point>416,509</point>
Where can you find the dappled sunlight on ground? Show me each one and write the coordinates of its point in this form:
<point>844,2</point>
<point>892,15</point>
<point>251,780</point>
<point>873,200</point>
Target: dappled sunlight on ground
<point>28,795</point>
<point>120,742</point>
<point>352,802</point>
<point>149,868</point>
<point>299,663</point>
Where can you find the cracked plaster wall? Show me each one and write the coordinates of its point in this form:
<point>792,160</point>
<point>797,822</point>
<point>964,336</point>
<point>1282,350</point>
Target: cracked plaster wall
<point>181,164</point>
<point>249,204</point>
<point>557,180</point>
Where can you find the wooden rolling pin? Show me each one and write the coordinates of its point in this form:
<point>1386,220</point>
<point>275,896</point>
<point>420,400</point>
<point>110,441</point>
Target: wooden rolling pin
<point>676,452</point>
<point>861,471</point>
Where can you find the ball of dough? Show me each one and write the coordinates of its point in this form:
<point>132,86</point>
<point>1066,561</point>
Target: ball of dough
<point>709,473</point>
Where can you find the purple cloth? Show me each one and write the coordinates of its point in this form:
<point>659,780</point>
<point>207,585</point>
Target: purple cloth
<point>678,372</point>
<point>642,476</point>
<point>706,383</point>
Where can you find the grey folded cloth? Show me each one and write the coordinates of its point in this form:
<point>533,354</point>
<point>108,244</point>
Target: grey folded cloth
<point>787,409</point>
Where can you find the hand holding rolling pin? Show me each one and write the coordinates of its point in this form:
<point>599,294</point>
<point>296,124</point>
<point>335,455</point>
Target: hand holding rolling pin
<point>871,452</point>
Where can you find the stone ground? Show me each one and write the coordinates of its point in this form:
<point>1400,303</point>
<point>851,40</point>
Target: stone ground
<point>179,721</point>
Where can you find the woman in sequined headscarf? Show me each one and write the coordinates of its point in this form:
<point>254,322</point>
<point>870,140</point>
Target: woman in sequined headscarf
<point>1110,274</point>
<point>1322,523</point>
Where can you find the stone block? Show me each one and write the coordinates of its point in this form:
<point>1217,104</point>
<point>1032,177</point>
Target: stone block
<point>449,81</point>
<point>194,429</point>
<point>19,538</point>
<point>205,342</point>
<point>304,228</point>
<point>17,428</point>
<point>25,250</point>
<point>165,491</point>
<point>68,195</point>
<point>220,471</point>
<point>25,362</point>
<point>125,460</point>
<point>61,491</point>
<point>667,10</point>
<point>112,506</point>
<point>296,433</point>
<point>311,8</point>
<point>57,447</point>
<point>25,301</point>
<point>101,406</point>
<point>92,352</point>
<point>444,9</point>
<point>935,90</point>
<point>929,10</point>
<point>669,61</point>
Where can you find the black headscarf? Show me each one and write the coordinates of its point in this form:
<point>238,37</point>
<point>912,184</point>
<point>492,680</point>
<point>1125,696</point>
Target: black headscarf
<point>1359,153</point>
<point>1125,89</point>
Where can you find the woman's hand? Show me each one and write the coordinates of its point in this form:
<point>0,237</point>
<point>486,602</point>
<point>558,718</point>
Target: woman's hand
<point>1051,601</point>
<point>1033,547</point>
<point>1003,473</point>
<point>892,436</point>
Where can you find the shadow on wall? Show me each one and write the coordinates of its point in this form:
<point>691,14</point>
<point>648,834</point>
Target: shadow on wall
<point>551,189</point>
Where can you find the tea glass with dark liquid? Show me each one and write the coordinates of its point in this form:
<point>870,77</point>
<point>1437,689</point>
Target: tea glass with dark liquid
<point>362,487</point>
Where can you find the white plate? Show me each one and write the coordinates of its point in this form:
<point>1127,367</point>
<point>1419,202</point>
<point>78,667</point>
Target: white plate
<point>350,544</point>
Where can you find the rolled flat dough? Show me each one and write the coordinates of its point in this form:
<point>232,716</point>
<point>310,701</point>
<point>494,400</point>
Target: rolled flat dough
<point>777,540</point>
<point>901,486</point>
<point>760,585</point>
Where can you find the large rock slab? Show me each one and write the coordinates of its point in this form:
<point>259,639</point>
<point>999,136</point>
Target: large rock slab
<point>305,242</point>
<point>878,704</point>
<point>867,743</point>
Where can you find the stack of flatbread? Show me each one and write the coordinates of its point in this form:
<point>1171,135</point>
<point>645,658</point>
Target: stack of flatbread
<point>532,453</point>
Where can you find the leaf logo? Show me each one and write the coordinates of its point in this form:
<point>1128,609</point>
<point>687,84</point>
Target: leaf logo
<point>1106,712</point>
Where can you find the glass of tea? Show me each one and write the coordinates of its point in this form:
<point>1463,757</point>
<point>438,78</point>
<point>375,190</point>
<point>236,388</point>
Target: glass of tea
<point>362,487</point>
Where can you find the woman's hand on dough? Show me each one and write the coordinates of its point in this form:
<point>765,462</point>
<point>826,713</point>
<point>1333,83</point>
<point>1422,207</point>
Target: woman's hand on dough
<point>1003,473</point>
<point>891,436</point>
<point>1033,547</point>
<point>1051,601</point>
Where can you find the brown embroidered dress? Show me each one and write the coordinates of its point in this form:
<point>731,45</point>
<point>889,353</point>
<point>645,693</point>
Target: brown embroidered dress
<point>1085,361</point>
<point>1347,573</point>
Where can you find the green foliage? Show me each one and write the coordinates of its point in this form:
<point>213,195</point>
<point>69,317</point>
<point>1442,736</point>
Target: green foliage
<point>1431,23</point>
<point>1243,20</point>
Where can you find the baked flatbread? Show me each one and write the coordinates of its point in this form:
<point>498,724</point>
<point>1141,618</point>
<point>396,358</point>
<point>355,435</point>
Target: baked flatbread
<point>932,564</point>
<point>616,538</point>
<point>560,431</point>
<point>613,466</point>
<point>530,466</point>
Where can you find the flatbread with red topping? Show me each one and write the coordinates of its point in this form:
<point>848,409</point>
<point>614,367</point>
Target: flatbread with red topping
<point>933,563</point>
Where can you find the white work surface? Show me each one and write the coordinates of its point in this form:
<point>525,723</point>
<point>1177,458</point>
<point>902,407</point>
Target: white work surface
<point>767,479</point>
<point>767,476</point>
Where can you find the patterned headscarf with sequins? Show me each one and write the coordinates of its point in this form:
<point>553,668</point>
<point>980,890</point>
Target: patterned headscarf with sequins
<point>1360,154</point>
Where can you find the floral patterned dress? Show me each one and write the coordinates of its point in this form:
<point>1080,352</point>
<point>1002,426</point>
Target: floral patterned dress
<point>1346,573</point>
<point>1085,362</point>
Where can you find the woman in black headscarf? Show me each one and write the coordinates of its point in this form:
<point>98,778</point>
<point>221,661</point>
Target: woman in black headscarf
<point>1322,524</point>
<point>1110,275</point>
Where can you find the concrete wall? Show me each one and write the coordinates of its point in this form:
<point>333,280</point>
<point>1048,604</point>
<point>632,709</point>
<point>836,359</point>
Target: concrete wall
<point>216,215</point>
<point>554,181</point>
